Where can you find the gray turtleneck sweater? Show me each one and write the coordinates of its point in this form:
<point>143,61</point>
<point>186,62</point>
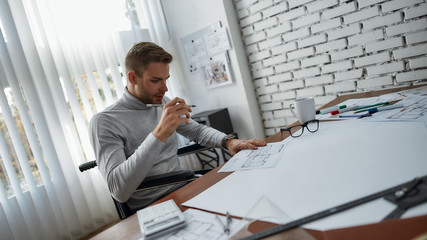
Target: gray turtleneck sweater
<point>126,151</point>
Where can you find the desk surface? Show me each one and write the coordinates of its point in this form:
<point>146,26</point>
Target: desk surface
<point>129,228</point>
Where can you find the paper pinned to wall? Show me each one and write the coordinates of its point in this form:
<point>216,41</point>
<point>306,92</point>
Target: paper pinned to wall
<point>216,72</point>
<point>217,41</point>
<point>200,46</point>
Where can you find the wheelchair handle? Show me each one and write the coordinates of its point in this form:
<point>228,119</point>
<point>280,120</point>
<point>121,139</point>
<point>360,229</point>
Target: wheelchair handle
<point>88,165</point>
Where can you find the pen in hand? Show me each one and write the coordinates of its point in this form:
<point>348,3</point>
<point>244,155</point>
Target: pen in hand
<point>161,105</point>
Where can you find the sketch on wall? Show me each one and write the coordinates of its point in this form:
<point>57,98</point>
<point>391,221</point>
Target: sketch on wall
<point>206,53</point>
<point>216,72</point>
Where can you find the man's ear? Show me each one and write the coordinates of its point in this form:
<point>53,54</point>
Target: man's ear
<point>132,77</point>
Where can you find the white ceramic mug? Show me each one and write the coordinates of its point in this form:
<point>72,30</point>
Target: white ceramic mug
<point>303,109</point>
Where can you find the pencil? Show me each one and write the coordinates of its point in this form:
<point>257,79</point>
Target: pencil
<point>161,105</point>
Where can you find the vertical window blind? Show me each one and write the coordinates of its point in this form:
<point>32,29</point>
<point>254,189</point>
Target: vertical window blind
<point>53,78</point>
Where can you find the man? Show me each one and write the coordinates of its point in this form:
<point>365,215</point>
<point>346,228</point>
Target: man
<point>133,140</point>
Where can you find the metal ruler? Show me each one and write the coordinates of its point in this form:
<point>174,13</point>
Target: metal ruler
<point>333,210</point>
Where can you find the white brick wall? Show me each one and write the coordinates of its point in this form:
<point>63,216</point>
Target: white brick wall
<point>406,27</point>
<point>398,4</point>
<point>361,15</point>
<point>340,10</point>
<point>317,60</point>
<point>320,5</point>
<point>306,20</point>
<point>385,44</point>
<point>274,31</point>
<point>383,20</point>
<point>416,37</point>
<point>277,78</point>
<point>319,80</point>
<point>305,52</point>
<point>410,76</point>
<point>347,53</point>
<point>416,11</point>
<point>372,59</point>
<point>385,68</point>
<point>281,7</point>
<point>324,48</point>
<point>309,41</point>
<point>418,62</point>
<point>338,66</point>
<point>345,31</point>
<point>374,82</point>
<point>352,74</point>
<point>341,87</point>
<point>410,51</point>
<point>288,66</point>
<point>333,23</point>
<point>306,72</point>
<point>365,3</point>
<point>360,39</point>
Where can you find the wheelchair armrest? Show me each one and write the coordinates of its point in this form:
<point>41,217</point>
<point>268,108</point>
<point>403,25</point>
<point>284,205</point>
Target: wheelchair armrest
<point>181,152</point>
<point>191,148</point>
<point>167,178</point>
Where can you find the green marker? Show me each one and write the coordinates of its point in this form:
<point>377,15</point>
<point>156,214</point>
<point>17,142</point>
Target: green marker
<point>362,109</point>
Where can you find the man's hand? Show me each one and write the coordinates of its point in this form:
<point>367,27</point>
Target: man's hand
<point>175,113</point>
<point>235,145</point>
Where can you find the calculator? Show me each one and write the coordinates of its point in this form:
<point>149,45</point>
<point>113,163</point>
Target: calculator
<point>160,219</point>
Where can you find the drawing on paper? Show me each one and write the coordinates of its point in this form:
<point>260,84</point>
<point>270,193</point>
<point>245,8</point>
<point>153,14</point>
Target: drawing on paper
<point>216,72</point>
<point>260,156</point>
<point>412,112</point>
<point>263,157</point>
<point>204,226</point>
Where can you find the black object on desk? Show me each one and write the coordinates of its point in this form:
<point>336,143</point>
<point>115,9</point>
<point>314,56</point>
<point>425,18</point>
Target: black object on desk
<point>217,118</point>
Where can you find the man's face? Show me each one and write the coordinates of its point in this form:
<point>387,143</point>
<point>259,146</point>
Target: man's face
<point>151,86</point>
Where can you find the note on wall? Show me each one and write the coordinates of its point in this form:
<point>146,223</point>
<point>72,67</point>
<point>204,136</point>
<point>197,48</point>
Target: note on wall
<point>206,54</point>
<point>196,52</point>
<point>217,41</point>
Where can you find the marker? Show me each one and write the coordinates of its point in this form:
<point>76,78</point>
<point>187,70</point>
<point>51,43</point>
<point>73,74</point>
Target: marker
<point>161,105</point>
<point>330,109</point>
<point>356,116</point>
<point>369,106</point>
<point>388,107</point>
<point>227,226</point>
<point>361,109</point>
<point>366,108</point>
<point>344,110</point>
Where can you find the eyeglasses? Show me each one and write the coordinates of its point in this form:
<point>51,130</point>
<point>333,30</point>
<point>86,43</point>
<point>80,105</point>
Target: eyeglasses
<point>312,126</point>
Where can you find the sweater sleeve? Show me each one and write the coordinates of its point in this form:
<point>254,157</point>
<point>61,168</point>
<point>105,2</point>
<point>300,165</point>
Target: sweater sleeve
<point>123,174</point>
<point>202,134</point>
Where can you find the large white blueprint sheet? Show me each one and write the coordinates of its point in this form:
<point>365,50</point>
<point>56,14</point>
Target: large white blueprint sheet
<point>341,162</point>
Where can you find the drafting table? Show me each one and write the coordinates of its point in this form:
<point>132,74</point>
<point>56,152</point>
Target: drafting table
<point>393,229</point>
